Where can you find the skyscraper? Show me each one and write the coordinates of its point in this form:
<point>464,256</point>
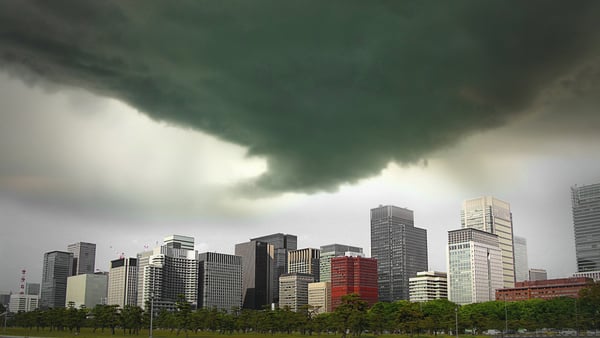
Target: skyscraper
<point>474,263</point>
<point>521,261</point>
<point>400,249</point>
<point>166,273</point>
<point>353,275</point>
<point>334,250</point>
<point>257,273</point>
<point>493,215</point>
<point>586,225</point>
<point>84,257</point>
<point>282,245</point>
<point>293,290</point>
<point>57,267</point>
<point>220,281</point>
<point>304,261</point>
<point>122,282</point>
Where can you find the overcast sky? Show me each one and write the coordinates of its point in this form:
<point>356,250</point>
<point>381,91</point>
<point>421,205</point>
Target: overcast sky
<point>124,122</point>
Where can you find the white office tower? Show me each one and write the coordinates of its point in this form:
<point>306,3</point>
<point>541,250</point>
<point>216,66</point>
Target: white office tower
<point>293,290</point>
<point>220,281</point>
<point>493,215</point>
<point>521,261</point>
<point>122,282</point>
<point>474,266</point>
<point>167,272</point>
<point>540,274</point>
<point>319,296</point>
<point>179,242</point>
<point>334,250</point>
<point>23,303</point>
<point>428,285</point>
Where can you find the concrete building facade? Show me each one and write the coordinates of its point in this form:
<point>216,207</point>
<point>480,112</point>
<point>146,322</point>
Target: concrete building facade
<point>305,261</point>
<point>220,281</point>
<point>537,274</point>
<point>354,275</point>
<point>544,289</point>
<point>293,290</point>
<point>319,297</point>
<point>122,282</point>
<point>494,216</point>
<point>87,290</point>
<point>400,249</point>
<point>23,302</point>
<point>474,263</point>
<point>586,226</point>
<point>521,260</point>
<point>428,285</point>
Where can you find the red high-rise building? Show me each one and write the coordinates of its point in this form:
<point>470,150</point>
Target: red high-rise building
<point>353,275</point>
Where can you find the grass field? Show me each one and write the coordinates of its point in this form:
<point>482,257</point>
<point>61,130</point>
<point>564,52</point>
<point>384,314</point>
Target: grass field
<point>87,333</point>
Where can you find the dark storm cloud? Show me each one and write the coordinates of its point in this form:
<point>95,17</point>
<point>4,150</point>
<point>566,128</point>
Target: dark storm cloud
<point>330,92</point>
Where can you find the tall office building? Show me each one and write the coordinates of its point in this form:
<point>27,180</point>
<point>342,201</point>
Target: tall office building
<point>293,290</point>
<point>32,289</point>
<point>334,250</point>
<point>586,225</point>
<point>493,215</point>
<point>474,263</point>
<point>257,273</point>
<point>353,275</point>
<point>179,242</point>
<point>521,261</point>
<point>84,257</point>
<point>400,249</point>
<point>166,273</point>
<point>428,285</point>
<point>87,290</point>
<point>304,261</point>
<point>282,245</point>
<point>537,274</point>
<point>220,281</point>
<point>57,267</point>
<point>122,282</point>
<point>319,296</point>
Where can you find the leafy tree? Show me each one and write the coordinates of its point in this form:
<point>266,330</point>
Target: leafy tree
<point>131,319</point>
<point>589,306</point>
<point>440,314</point>
<point>408,316</point>
<point>183,315</point>
<point>351,315</point>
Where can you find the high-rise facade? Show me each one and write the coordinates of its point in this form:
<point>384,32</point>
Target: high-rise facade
<point>319,296</point>
<point>428,285</point>
<point>122,282</point>
<point>57,267</point>
<point>84,257</point>
<point>521,261</point>
<point>87,290</point>
<point>334,250</point>
<point>32,289</point>
<point>179,242</point>
<point>166,273</point>
<point>257,273</point>
<point>220,281</point>
<point>400,249</point>
<point>353,275</point>
<point>586,225</point>
<point>293,290</point>
<point>537,274</point>
<point>493,215</point>
<point>304,261</point>
<point>282,245</point>
<point>474,263</point>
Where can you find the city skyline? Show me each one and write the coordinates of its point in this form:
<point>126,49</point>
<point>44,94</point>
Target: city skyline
<point>218,122</point>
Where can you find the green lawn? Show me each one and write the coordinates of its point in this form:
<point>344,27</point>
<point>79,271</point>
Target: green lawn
<point>87,333</point>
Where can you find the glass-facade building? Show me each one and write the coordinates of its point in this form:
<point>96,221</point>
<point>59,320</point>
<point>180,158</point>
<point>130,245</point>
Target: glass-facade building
<point>474,263</point>
<point>493,215</point>
<point>257,273</point>
<point>400,249</point>
<point>57,268</point>
<point>84,257</point>
<point>586,225</point>
<point>334,250</point>
<point>282,245</point>
<point>220,281</point>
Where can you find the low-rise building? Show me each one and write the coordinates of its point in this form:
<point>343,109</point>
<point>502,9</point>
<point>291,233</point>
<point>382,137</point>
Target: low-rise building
<point>23,302</point>
<point>87,290</point>
<point>428,285</point>
<point>544,289</point>
<point>293,290</point>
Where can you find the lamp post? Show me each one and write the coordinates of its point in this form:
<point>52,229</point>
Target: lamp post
<point>151,312</point>
<point>456,317</point>
<point>505,316</point>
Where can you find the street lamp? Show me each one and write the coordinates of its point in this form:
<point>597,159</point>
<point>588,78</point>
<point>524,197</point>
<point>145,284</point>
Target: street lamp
<point>456,315</point>
<point>505,316</point>
<point>151,312</point>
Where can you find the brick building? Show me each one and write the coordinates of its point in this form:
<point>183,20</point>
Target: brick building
<point>544,289</point>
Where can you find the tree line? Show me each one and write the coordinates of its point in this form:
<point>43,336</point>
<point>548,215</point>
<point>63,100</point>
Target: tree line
<point>353,317</point>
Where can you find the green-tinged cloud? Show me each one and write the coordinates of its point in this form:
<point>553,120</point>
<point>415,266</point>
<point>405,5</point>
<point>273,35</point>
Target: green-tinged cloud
<point>329,92</point>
